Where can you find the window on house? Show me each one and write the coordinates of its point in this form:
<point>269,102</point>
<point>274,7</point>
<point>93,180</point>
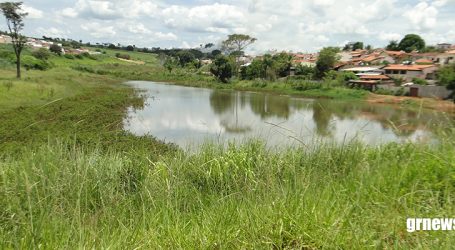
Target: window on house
<point>403,72</point>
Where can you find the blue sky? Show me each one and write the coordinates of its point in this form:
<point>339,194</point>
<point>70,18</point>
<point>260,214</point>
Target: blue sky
<point>295,25</point>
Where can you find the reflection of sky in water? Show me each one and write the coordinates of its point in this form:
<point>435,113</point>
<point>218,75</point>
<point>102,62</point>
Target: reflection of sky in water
<point>188,116</point>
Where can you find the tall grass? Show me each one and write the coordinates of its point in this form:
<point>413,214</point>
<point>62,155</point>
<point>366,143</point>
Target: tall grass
<point>349,197</point>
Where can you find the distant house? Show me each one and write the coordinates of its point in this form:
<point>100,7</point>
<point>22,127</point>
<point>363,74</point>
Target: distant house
<point>5,39</point>
<point>362,70</point>
<point>409,72</point>
<point>206,62</point>
<point>443,46</point>
<point>437,58</point>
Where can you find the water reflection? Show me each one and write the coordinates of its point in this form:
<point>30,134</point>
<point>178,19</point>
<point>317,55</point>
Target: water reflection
<point>190,115</point>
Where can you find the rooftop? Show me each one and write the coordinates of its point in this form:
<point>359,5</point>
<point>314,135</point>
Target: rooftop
<point>413,67</point>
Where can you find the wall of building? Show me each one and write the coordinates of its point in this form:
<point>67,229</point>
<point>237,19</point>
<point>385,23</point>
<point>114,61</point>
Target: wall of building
<point>439,92</point>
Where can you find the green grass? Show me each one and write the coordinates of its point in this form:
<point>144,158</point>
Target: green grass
<point>346,197</point>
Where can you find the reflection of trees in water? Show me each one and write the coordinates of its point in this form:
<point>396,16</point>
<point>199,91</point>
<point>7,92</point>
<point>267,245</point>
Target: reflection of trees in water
<point>222,101</point>
<point>322,118</point>
<point>403,122</point>
<point>267,106</point>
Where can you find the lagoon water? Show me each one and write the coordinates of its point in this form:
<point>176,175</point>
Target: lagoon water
<point>190,116</point>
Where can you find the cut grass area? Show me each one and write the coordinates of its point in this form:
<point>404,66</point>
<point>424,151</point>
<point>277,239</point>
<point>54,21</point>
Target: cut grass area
<point>247,197</point>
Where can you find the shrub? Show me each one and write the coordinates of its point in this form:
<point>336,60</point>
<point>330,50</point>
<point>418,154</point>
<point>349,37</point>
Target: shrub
<point>68,56</point>
<point>56,49</point>
<point>123,56</point>
<point>419,81</point>
<point>30,62</point>
<point>41,54</point>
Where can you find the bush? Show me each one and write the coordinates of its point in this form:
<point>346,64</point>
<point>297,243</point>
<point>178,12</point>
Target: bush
<point>41,54</point>
<point>68,56</point>
<point>419,81</point>
<point>56,49</point>
<point>30,62</point>
<point>302,86</point>
<point>401,92</point>
<point>384,92</point>
<point>123,56</point>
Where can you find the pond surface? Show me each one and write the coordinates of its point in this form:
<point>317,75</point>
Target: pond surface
<point>190,116</point>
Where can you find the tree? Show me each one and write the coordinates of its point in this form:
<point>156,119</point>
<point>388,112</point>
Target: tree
<point>56,49</point>
<point>42,54</point>
<point>170,63</point>
<point>185,57</point>
<point>393,46</point>
<point>237,42</point>
<point>357,45</point>
<point>216,52</point>
<point>446,77</point>
<point>411,42</point>
<point>326,61</point>
<point>15,22</point>
<point>130,48</point>
<point>222,68</point>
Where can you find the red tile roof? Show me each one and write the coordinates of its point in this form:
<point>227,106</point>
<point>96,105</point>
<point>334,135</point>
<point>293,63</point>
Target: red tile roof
<point>408,67</point>
<point>374,77</point>
<point>425,61</point>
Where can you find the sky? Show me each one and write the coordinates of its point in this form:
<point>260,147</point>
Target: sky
<point>292,25</point>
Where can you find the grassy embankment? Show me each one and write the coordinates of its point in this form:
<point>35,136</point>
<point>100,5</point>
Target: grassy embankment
<point>350,197</point>
<point>70,177</point>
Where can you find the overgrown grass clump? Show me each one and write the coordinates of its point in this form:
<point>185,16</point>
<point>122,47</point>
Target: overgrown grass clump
<point>349,197</point>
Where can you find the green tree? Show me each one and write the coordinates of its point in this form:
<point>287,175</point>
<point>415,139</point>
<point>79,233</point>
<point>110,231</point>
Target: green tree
<point>237,42</point>
<point>326,61</point>
<point>170,63</point>
<point>56,49</point>
<point>282,64</point>
<point>357,45</point>
<point>411,42</point>
<point>222,68</point>
<point>185,57</point>
<point>15,23</point>
<point>42,54</point>
<point>392,46</point>
<point>446,77</point>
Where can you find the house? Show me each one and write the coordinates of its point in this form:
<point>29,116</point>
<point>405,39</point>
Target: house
<point>443,46</point>
<point>435,57</point>
<point>207,61</point>
<point>363,70</point>
<point>423,61</point>
<point>5,39</point>
<point>303,62</point>
<point>409,72</point>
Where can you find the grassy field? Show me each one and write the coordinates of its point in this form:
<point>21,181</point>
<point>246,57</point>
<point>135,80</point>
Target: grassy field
<point>348,197</point>
<point>70,177</point>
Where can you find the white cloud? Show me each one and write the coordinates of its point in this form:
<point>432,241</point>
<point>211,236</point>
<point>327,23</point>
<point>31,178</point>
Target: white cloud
<point>52,32</point>
<point>98,30</point>
<point>205,18</point>
<point>109,10</point>
<point>32,12</point>
<point>166,36</point>
<point>385,36</point>
<point>423,15</point>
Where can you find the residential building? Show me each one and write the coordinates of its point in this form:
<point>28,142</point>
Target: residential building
<point>409,72</point>
<point>5,39</point>
<point>444,46</point>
